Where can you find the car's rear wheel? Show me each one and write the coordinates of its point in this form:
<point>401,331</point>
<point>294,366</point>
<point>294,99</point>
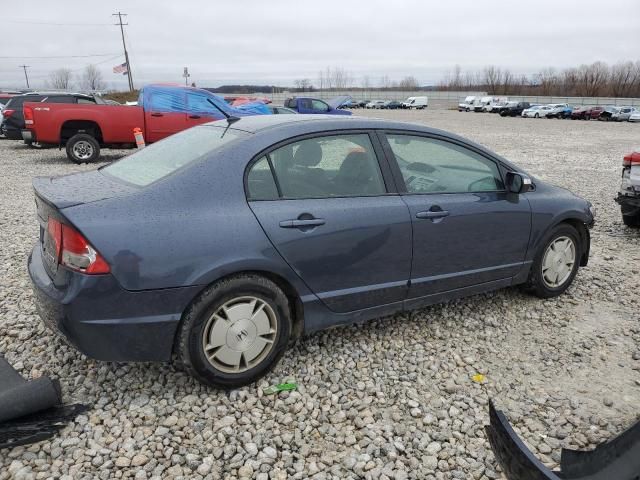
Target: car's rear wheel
<point>82,148</point>
<point>556,263</point>
<point>235,332</point>
<point>631,220</point>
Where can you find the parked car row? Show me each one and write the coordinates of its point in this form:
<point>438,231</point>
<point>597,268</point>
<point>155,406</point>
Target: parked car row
<point>506,108</point>
<point>419,103</point>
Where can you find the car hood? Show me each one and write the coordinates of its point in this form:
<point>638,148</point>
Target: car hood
<point>337,102</point>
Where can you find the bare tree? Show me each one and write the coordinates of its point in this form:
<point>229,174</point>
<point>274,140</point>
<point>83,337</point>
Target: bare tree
<point>408,83</point>
<point>492,78</point>
<point>366,82</point>
<point>624,79</point>
<point>385,82</point>
<point>548,81</point>
<point>91,79</point>
<point>60,79</point>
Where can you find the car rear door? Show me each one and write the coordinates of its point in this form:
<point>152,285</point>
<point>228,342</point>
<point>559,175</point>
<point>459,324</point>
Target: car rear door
<point>467,229</point>
<point>327,204</point>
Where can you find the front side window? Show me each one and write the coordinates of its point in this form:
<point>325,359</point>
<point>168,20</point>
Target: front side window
<point>87,101</point>
<point>319,106</point>
<point>198,103</point>
<point>434,166</point>
<point>332,166</point>
<point>165,157</point>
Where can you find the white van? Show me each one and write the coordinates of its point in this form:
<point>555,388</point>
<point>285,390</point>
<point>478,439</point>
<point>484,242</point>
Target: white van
<point>416,102</point>
<point>467,104</point>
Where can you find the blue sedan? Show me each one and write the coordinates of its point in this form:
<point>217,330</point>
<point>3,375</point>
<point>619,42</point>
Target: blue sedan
<point>224,243</point>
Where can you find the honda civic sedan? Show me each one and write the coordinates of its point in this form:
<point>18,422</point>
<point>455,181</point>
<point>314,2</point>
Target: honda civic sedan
<point>223,244</point>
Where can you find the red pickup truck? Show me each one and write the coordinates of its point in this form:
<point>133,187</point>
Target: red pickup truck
<point>162,110</point>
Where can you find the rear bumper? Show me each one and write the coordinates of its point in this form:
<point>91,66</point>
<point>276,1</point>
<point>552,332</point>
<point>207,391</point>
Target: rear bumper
<point>104,321</point>
<point>629,204</point>
<point>10,132</point>
<point>28,136</point>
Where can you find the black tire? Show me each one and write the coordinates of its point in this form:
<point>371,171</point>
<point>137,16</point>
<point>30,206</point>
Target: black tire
<point>90,144</point>
<point>189,345</point>
<point>632,221</point>
<point>535,283</point>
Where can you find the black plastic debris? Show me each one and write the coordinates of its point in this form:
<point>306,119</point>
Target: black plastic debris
<point>30,411</point>
<point>616,459</point>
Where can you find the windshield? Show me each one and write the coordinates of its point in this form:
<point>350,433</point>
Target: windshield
<point>167,156</point>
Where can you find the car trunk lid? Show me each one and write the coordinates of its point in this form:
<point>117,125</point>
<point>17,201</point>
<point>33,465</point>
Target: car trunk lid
<point>54,194</point>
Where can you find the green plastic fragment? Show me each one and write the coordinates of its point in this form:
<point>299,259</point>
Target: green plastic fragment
<point>281,387</point>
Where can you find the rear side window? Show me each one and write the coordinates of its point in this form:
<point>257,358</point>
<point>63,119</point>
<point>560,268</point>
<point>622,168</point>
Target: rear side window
<point>16,102</point>
<point>330,166</point>
<point>260,182</point>
<point>86,101</point>
<point>60,99</point>
<point>429,165</point>
<point>165,157</point>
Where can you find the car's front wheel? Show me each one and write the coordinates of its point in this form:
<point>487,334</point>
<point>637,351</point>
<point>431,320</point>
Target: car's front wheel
<point>235,332</point>
<point>556,263</point>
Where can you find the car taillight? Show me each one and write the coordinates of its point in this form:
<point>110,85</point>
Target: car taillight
<point>7,112</point>
<point>28,115</point>
<point>74,251</point>
<point>631,159</point>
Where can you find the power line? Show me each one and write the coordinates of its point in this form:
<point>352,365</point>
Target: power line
<point>29,22</point>
<point>124,46</point>
<point>59,56</point>
<point>24,67</point>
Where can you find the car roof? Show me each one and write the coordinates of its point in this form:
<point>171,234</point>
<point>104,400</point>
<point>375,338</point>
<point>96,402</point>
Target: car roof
<point>282,126</point>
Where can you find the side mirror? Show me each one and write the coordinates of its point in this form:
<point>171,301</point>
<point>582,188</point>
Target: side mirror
<point>518,182</point>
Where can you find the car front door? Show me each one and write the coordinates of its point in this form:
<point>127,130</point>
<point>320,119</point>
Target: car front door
<point>199,110</point>
<point>165,114</point>
<point>467,230</point>
<point>330,215</point>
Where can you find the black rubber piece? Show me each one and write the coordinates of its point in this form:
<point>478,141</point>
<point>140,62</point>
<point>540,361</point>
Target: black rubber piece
<point>19,397</point>
<point>31,411</point>
<point>38,426</point>
<point>616,459</point>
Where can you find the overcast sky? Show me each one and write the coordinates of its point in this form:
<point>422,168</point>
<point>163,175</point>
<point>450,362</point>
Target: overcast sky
<point>278,41</point>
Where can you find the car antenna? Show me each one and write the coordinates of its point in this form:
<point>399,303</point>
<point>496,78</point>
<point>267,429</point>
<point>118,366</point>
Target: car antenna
<point>230,118</point>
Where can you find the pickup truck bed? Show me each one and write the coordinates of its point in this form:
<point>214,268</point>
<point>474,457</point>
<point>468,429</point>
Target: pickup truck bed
<point>109,124</point>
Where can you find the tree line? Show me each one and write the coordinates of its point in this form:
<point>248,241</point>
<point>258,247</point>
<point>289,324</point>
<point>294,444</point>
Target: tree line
<point>89,80</point>
<point>595,80</point>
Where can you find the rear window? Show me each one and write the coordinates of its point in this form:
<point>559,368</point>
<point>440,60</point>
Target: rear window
<point>167,156</point>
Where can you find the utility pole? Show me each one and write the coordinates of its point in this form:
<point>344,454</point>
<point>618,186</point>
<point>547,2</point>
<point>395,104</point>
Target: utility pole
<point>124,45</point>
<point>26,77</point>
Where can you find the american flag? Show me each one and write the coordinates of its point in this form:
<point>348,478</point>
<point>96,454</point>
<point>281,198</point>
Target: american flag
<point>120,68</point>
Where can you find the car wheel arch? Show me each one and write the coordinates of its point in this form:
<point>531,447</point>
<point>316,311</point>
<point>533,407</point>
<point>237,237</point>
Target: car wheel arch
<point>583,234</point>
<point>72,127</point>
<point>294,299</point>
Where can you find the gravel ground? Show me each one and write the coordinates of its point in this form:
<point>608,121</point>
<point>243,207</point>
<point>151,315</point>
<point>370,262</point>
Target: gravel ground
<point>391,399</point>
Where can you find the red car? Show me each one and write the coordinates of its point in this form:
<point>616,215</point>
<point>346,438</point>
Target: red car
<point>237,101</point>
<point>581,113</point>
<point>595,113</point>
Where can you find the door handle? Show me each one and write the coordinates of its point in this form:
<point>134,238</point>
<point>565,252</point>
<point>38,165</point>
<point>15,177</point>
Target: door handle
<point>156,114</point>
<point>312,222</point>
<point>433,214</point>
<point>194,116</point>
